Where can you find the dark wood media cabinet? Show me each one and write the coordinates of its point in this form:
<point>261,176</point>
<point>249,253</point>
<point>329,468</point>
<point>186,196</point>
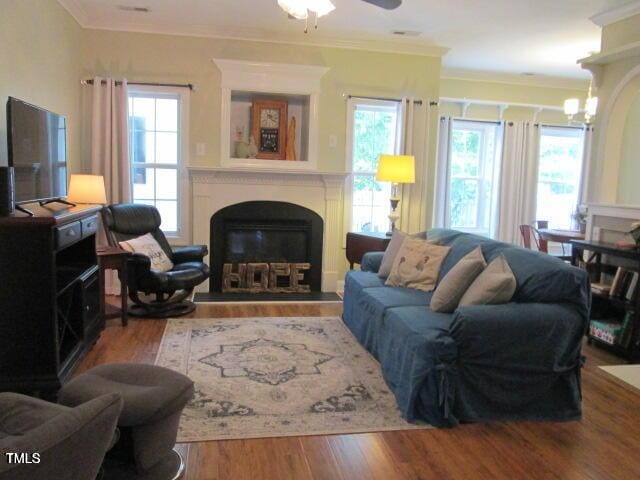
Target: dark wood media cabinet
<point>49,296</point>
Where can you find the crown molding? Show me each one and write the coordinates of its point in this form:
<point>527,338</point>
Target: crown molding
<point>372,44</point>
<point>616,14</point>
<point>76,10</point>
<point>515,79</point>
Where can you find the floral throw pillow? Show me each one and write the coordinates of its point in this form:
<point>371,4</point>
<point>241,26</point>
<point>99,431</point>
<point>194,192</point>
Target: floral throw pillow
<point>417,264</point>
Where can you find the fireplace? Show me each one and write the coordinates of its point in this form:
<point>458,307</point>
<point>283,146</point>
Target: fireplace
<point>266,247</point>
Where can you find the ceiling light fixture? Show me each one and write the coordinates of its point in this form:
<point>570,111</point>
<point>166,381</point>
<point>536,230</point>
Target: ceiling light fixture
<point>572,106</point>
<point>303,9</point>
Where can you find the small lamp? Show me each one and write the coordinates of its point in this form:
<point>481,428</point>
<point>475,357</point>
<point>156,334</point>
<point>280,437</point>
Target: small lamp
<point>395,169</point>
<point>87,189</point>
<point>571,107</point>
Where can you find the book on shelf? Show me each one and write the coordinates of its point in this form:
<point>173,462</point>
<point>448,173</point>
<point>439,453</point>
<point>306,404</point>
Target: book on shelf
<point>601,288</point>
<point>624,337</point>
<point>607,331</point>
<point>633,285</point>
<point>616,284</point>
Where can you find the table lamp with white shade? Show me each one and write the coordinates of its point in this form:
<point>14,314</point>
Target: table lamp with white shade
<point>87,189</point>
<point>396,169</point>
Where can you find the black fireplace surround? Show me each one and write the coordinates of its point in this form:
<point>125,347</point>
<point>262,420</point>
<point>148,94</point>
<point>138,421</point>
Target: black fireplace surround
<point>266,231</point>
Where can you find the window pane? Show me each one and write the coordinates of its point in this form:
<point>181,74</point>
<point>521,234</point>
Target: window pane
<point>145,110</point>
<point>142,146</point>
<point>559,170</point>
<point>169,214</point>
<point>143,183</point>
<point>167,114</point>
<point>166,147</point>
<point>166,184</point>
<point>370,204</point>
<point>374,133</point>
<point>473,173</point>
<point>465,153</point>
<point>464,203</point>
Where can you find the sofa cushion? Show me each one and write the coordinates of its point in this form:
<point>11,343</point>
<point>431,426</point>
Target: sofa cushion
<point>371,305</point>
<point>417,264</point>
<point>390,253</point>
<point>355,281</point>
<point>495,285</point>
<point>456,282</point>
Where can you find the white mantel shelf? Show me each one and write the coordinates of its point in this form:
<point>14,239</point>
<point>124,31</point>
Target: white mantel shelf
<point>264,171</point>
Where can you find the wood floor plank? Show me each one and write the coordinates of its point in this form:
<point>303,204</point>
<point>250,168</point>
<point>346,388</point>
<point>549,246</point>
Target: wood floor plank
<point>602,445</point>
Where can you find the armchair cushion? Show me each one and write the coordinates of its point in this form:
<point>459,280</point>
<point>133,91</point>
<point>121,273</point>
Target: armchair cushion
<point>71,442</point>
<point>192,253</point>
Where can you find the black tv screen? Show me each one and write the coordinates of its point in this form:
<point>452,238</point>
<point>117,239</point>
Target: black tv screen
<point>37,149</point>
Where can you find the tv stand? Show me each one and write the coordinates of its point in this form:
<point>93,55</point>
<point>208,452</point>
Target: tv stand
<point>56,200</point>
<point>50,297</point>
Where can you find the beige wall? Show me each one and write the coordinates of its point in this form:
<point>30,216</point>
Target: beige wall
<point>179,59</point>
<point>619,82</point>
<point>628,191</point>
<point>40,62</point>
<point>499,91</point>
<point>620,33</point>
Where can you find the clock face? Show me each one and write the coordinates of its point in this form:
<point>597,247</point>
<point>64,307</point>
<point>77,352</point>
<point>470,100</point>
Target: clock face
<point>269,118</point>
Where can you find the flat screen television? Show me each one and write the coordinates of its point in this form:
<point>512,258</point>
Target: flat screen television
<point>37,147</point>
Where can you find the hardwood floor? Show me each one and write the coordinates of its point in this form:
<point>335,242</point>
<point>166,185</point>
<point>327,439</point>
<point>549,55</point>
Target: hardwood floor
<point>603,445</point>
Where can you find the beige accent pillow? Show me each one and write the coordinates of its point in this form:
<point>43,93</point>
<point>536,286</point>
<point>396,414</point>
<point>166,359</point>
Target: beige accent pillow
<point>394,247</point>
<point>390,253</point>
<point>147,245</point>
<point>457,280</point>
<point>417,264</point>
<point>495,285</point>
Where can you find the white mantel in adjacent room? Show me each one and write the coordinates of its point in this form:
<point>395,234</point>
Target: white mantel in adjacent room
<point>214,188</point>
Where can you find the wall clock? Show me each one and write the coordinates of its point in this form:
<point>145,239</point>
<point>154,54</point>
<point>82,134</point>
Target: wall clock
<point>269,128</point>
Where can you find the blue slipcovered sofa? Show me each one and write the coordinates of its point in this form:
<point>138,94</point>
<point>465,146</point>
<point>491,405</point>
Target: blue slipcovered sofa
<point>517,361</point>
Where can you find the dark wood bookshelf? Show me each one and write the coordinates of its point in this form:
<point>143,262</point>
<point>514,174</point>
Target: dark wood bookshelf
<point>603,257</point>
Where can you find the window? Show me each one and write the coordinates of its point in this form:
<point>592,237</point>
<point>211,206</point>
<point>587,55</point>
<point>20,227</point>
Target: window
<point>472,176</point>
<point>373,128</point>
<point>559,171</point>
<point>157,150</point>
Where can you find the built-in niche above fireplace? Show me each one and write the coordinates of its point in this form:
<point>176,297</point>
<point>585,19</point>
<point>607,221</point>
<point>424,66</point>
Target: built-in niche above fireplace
<point>266,247</point>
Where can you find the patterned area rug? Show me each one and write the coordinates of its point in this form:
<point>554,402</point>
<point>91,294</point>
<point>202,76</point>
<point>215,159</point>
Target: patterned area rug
<point>275,377</point>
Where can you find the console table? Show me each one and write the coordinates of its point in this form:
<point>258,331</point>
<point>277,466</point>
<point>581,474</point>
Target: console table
<point>600,257</point>
<point>359,243</point>
<point>49,299</point>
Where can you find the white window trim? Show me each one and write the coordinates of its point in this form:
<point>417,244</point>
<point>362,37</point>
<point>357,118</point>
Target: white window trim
<point>352,103</point>
<point>561,131</point>
<point>183,236</point>
<point>477,125</point>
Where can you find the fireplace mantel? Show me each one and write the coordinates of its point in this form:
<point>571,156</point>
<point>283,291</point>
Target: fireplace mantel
<point>214,188</point>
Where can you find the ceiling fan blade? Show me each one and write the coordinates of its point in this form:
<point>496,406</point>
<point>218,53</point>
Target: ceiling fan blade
<point>386,4</point>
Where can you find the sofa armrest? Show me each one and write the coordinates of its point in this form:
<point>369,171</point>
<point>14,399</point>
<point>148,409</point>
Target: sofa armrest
<point>192,253</point>
<point>371,261</point>
<point>524,337</point>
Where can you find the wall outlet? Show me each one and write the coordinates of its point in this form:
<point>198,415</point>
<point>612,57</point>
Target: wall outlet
<point>333,141</point>
<point>200,149</point>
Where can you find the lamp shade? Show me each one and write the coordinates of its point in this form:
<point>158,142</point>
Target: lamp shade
<point>396,169</point>
<point>87,189</point>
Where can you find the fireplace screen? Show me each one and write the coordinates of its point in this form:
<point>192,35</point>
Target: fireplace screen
<point>271,247</point>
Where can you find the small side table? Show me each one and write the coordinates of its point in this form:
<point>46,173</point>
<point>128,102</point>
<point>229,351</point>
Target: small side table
<point>113,258</point>
<point>359,243</point>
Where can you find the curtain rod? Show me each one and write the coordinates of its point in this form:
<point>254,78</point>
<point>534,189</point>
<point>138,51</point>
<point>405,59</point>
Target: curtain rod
<point>190,86</point>
<point>417,102</point>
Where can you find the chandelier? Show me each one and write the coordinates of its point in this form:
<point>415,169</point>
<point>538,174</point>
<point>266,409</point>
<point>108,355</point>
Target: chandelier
<point>303,9</point>
<point>572,106</point>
